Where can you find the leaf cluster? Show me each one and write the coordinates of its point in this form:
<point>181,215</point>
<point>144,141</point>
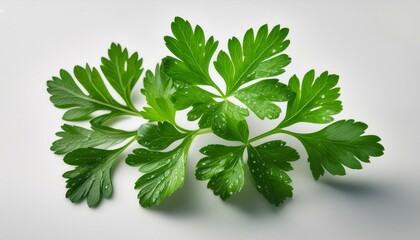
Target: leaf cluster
<point>250,68</point>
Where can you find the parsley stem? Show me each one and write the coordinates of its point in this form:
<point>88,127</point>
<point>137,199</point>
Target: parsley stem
<point>134,113</point>
<point>129,143</point>
<point>202,131</point>
<point>263,135</point>
<point>271,132</point>
<point>121,149</point>
<point>181,128</point>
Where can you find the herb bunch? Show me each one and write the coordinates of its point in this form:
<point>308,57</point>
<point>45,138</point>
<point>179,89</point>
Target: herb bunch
<point>176,84</point>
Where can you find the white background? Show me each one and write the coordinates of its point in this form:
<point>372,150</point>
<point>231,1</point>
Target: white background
<point>373,45</point>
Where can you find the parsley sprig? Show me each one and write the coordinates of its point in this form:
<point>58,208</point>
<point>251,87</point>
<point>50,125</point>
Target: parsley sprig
<point>250,68</point>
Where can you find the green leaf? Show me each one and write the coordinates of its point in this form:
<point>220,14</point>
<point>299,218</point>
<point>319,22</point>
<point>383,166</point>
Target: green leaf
<point>157,90</point>
<point>257,57</point>
<point>186,95</point>
<point>99,124</point>
<point>339,144</point>
<point>164,172</point>
<point>316,99</point>
<point>65,93</point>
<point>226,119</point>
<point>104,118</point>
<point>193,51</point>
<point>268,163</point>
<point>92,81</point>
<point>74,137</point>
<point>224,167</point>
<point>91,179</point>
<point>122,71</point>
<point>260,96</point>
<point>158,136</point>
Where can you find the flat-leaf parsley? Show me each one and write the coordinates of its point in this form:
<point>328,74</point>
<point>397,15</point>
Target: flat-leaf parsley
<point>250,68</point>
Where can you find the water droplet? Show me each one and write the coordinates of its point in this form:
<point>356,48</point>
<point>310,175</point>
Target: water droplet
<point>323,96</point>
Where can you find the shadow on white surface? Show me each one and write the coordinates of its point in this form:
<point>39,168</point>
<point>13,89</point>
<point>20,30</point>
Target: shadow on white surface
<point>356,189</point>
<point>251,202</point>
<point>188,200</point>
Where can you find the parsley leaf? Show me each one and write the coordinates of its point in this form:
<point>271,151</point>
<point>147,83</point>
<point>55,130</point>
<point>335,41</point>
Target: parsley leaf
<point>74,137</point>
<point>91,179</point>
<point>258,57</point>
<point>122,71</point>
<point>186,95</point>
<point>194,53</point>
<point>260,96</point>
<point>315,101</point>
<point>100,120</point>
<point>65,93</point>
<point>268,163</point>
<point>157,89</point>
<point>158,136</point>
<point>164,172</point>
<point>339,144</point>
<point>226,119</point>
<point>224,167</point>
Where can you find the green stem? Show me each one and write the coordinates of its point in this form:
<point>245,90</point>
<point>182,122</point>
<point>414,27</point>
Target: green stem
<point>202,131</point>
<point>271,132</point>
<point>121,149</point>
<point>181,128</point>
<point>266,134</point>
<point>285,123</point>
<point>195,134</point>
<point>129,143</point>
<point>287,132</point>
